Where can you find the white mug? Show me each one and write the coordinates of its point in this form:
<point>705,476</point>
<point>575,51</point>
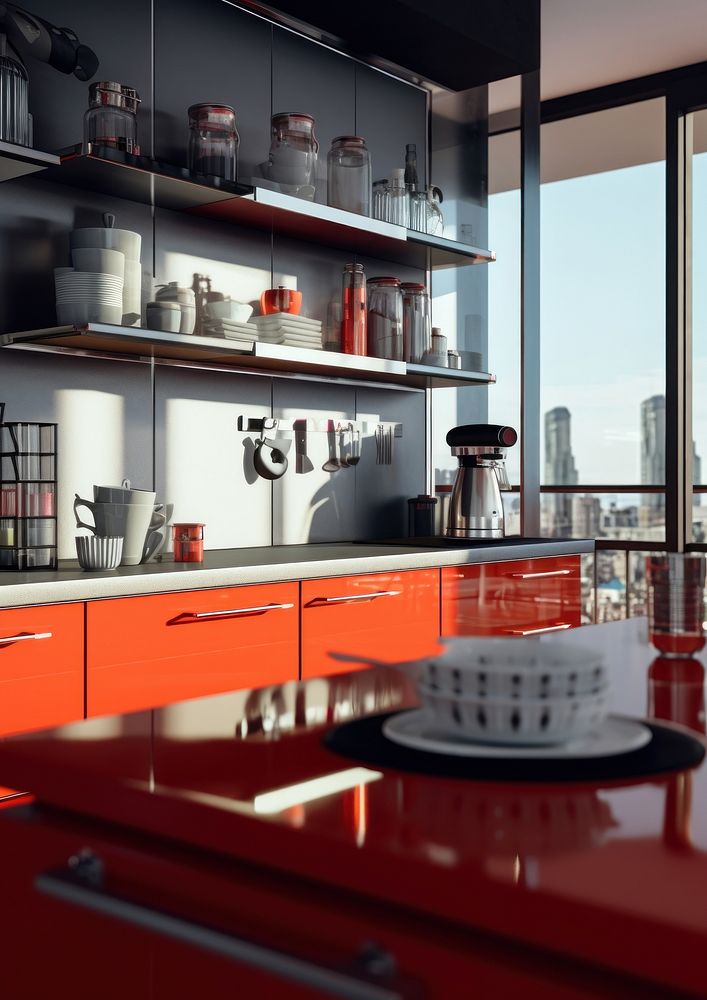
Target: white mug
<point>130,520</point>
<point>122,494</point>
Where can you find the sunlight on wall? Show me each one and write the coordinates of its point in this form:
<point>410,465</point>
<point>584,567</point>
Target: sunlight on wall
<point>239,281</point>
<point>91,448</point>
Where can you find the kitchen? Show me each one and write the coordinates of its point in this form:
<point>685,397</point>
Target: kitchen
<point>278,468</point>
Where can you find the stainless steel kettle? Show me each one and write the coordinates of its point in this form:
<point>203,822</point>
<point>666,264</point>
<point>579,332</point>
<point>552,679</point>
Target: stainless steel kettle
<point>476,507</point>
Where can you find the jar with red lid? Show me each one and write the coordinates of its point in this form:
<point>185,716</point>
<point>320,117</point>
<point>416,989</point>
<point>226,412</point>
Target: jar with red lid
<point>385,319</point>
<point>213,140</point>
<point>188,542</point>
<point>292,161</point>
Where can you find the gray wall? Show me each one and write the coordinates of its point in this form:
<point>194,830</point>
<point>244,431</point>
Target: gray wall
<point>176,427</point>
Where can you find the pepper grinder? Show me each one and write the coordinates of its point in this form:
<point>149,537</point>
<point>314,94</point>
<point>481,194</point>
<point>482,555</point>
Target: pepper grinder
<point>201,286</point>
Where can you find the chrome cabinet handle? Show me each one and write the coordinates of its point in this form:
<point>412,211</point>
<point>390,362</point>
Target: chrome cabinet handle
<point>82,884</point>
<point>535,576</point>
<point>536,631</point>
<point>21,638</point>
<point>359,597</point>
<point>239,611</point>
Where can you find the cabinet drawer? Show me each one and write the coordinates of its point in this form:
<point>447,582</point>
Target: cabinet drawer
<point>512,598</point>
<point>148,651</point>
<point>385,616</point>
<point>41,666</point>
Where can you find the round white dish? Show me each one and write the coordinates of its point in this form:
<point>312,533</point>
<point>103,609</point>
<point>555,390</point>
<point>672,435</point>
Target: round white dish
<point>80,313</point>
<point>99,552</point>
<point>616,735</point>
<point>229,309</point>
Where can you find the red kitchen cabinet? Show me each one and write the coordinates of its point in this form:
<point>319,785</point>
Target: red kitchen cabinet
<point>149,651</point>
<point>523,597</point>
<point>384,616</point>
<point>283,935</point>
<point>41,667</point>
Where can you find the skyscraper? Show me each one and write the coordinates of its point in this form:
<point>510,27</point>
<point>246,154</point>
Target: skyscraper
<point>559,469</point>
<point>652,509</point>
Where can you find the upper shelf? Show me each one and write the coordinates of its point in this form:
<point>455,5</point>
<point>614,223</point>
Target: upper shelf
<point>102,338</point>
<point>142,179</point>
<point>18,161</point>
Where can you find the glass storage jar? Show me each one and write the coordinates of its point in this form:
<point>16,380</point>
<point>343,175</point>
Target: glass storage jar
<point>292,161</point>
<point>353,310</point>
<point>385,319</point>
<point>14,99</point>
<point>417,322</point>
<point>111,119</point>
<point>398,202</point>
<point>213,140</point>
<point>349,175</point>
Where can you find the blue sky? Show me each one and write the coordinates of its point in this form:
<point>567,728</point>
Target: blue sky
<point>602,309</point>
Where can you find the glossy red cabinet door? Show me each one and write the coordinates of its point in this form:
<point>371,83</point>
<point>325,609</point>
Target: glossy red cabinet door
<point>283,934</point>
<point>523,597</point>
<point>149,651</point>
<point>385,616</point>
<point>41,666</point>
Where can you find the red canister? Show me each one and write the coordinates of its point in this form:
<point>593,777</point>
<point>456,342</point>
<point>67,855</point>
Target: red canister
<point>188,542</point>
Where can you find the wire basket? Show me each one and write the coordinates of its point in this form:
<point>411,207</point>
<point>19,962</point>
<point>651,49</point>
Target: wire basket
<point>28,495</point>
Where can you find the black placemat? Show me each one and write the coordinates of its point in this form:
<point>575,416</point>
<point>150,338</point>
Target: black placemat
<point>669,750</point>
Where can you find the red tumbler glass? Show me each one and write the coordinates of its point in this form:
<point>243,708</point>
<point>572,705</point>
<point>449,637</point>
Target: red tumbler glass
<point>676,603</point>
<point>188,542</point>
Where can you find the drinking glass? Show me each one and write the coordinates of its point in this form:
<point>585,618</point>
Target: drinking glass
<point>676,584</point>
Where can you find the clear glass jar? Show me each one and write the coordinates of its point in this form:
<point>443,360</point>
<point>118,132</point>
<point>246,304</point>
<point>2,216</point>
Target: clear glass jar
<point>349,175</point>
<point>398,200</point>
<point>417,322</point>
<point>14,99</point>
<point>385,319</point>
<point>213,141</point>
<point>111,119</point>
<point>353,310</point>
<point>379,200</point>
<point>292,161</point>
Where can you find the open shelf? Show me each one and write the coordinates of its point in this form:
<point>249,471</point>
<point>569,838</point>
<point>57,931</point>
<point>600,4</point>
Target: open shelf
<point>141,179</point>
<point>100,338</point>
<point>18,161</point>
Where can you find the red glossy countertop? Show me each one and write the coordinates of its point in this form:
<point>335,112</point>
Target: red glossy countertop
<point>616,874</point>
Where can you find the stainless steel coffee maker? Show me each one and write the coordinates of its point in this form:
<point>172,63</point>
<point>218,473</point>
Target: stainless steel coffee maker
<point>476,508</point>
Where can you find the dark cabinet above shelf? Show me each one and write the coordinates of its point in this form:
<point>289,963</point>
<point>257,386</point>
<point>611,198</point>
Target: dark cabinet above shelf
<point>140,179</point>
<point>100,338</point>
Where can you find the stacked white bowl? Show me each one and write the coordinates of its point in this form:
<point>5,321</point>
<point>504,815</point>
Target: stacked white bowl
<point>92,290</point>
<point>515,691</point>
<point>97,251</point>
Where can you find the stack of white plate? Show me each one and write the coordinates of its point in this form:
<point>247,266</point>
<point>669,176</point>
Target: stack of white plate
<point>88,297</point>
<point>289,329</point>
<point>231,329</point>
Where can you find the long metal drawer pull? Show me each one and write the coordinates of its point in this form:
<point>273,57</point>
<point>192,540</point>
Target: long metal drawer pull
<point>21,638</point>
<point>535,576</point>
<point>360,597</point>
<point>71,887</point>
<point>239,611</point>
<point>536,631</point>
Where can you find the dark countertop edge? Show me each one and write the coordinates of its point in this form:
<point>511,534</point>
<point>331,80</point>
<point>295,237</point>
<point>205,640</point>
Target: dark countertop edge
<point>244,568</point>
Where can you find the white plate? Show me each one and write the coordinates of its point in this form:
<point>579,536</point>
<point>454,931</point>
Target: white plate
<point>295,337</point>
<point>616,736</point>
<point>275,319</point>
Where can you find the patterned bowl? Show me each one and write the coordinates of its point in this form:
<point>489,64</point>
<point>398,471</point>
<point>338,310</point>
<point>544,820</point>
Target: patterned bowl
<point>514,668</point>
<point>99,553</point>
<point>530,721</point>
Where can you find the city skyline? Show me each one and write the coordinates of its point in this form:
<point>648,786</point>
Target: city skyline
<point>581,514</point>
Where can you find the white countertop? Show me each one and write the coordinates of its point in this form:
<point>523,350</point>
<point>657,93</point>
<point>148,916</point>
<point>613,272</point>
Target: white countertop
<point>266,564</point>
